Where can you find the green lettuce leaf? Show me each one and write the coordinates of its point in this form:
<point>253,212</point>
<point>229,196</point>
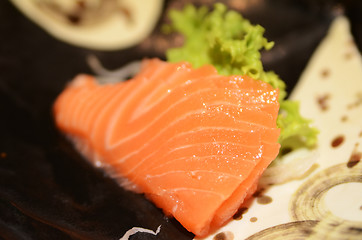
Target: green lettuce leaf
<point>232,44</point>
<point>296,130</point>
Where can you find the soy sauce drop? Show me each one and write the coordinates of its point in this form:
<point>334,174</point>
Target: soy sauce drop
<point>337,141</point>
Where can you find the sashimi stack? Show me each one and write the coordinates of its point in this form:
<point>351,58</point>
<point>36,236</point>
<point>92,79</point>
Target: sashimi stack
<point>193,141</point>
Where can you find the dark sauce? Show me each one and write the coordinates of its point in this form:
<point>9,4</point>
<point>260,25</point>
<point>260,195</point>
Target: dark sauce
<point>285,150</point>
<point>348,55</point>
<point>258,192</point>
<point>74,19</point>
<point>220,236</point>
<point>127,13</point>
<point>354,159</point>
<point>81,4</point>
<point>323,102</point>
<point>325,73</point>
<point>260,198</point>
<point>337,141</point>
<point>224,236</point>
<point>264,200</point>
<point>253,219</point>
<point>239,214</point>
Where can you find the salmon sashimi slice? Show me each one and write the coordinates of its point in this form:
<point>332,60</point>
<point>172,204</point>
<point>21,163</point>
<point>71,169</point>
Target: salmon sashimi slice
<point>194,142</point>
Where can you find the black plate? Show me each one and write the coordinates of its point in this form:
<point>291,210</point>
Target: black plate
<point>47,191</point>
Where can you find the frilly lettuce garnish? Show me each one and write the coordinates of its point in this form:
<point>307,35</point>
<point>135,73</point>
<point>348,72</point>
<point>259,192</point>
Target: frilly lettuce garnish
<point>296,130</point>
<point>232,44</point>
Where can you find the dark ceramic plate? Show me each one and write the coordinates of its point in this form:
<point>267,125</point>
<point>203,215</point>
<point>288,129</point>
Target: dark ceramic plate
<point>47,191</point>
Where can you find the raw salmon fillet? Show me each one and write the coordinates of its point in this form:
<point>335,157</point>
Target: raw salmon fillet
<point>193,141</point>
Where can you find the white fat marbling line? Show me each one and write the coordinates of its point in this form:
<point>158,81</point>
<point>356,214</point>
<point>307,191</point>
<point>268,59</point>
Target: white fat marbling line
<point>155,151</point>
<point>166,128</point>
<point>225,157</point>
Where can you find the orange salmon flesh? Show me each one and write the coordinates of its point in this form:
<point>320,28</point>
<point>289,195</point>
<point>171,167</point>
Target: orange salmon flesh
<point>193,141</point>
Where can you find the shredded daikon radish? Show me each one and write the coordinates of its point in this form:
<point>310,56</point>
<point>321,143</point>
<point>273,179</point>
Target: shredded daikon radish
<point>291,166</point>
<point>113,76</point>
<point>135,230</point>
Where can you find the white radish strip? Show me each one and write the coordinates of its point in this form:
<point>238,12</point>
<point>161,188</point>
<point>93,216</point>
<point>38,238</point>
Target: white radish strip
<point>113,76</point>
<point>293,165</point>
<point>135,230</point>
